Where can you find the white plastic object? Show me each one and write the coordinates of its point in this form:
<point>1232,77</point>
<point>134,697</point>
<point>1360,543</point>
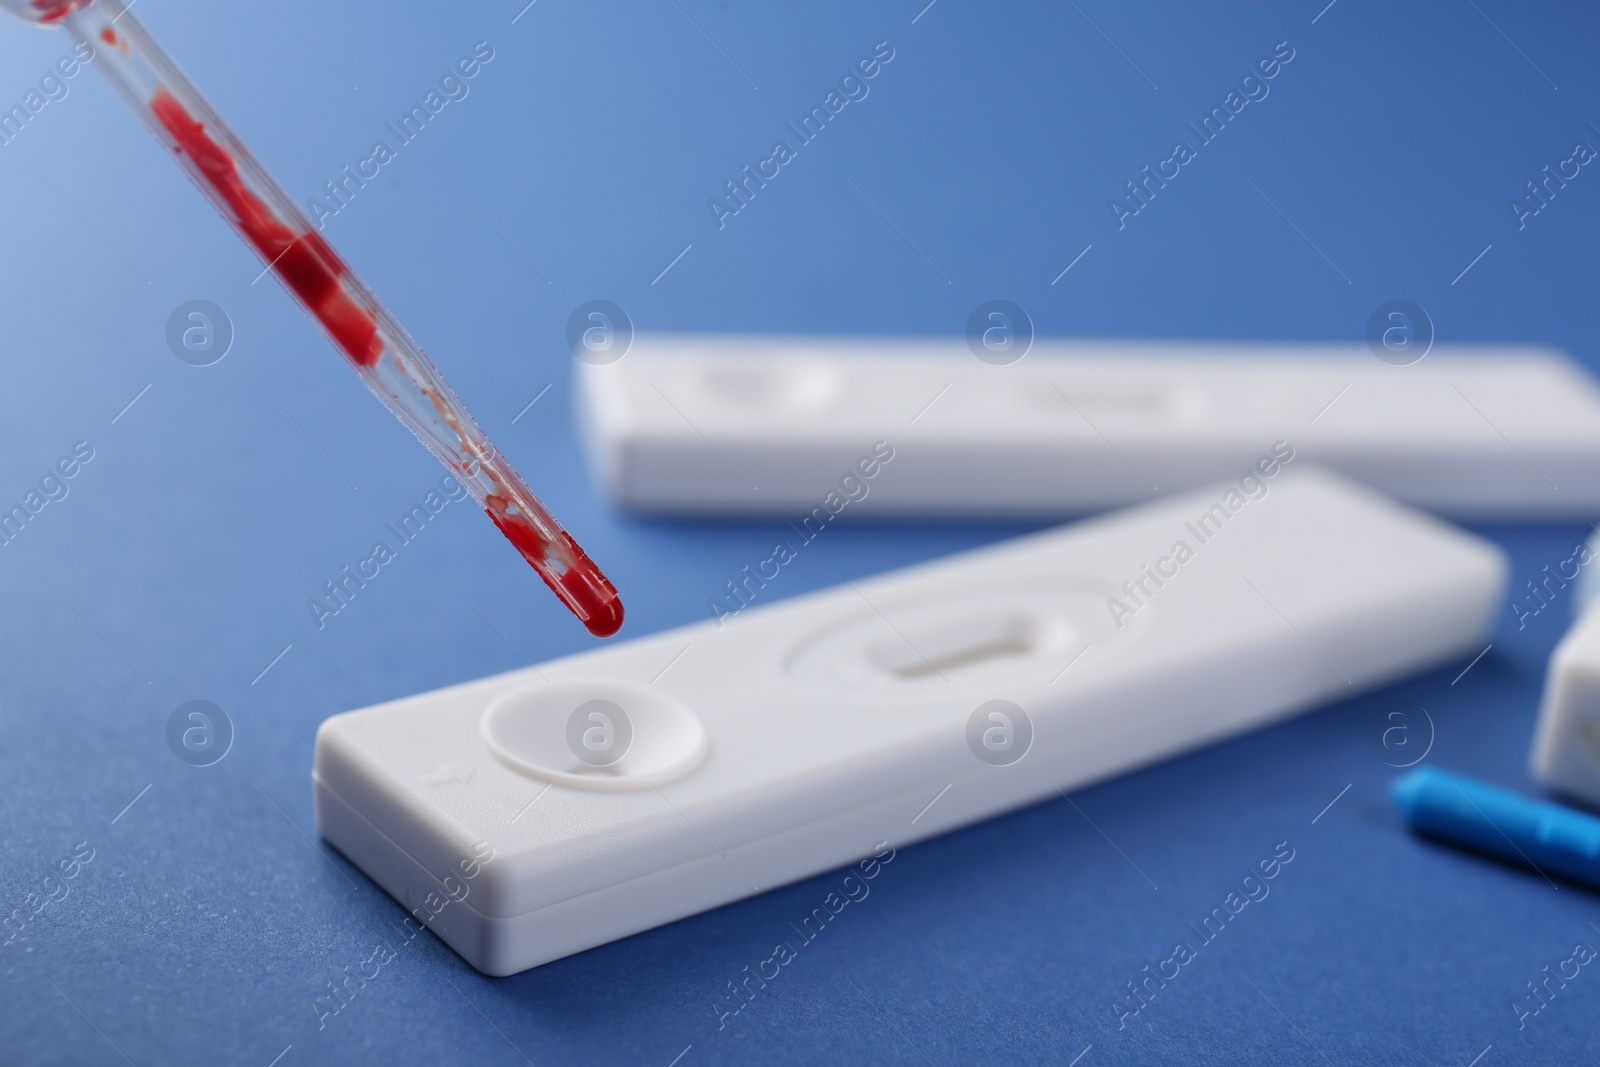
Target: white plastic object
<point>767,426</point>
<point>736,755</point>
<point>1566,742</point>
<point>1587,588</point>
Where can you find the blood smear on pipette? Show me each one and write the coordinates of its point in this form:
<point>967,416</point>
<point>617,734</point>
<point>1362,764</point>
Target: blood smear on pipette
<point>305,261</point>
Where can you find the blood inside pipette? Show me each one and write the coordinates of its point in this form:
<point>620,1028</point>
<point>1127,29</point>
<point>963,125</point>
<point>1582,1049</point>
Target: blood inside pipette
<point>312,270</point>
<point>53,10</point>
<point>305,262</point>
<point>583,587</point>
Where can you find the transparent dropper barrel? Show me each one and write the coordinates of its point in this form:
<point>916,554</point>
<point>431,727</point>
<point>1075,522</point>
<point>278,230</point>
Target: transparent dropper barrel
<point>378,348</point>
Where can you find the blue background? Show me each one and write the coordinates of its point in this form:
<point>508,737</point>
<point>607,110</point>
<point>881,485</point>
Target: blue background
<point>180,563</point>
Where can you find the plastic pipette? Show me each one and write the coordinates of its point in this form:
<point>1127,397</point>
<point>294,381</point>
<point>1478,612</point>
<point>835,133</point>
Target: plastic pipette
<point>374,343</point>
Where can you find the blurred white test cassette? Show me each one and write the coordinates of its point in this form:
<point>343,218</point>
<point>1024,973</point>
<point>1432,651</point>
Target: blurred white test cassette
<point>767,426</point>
<point>537,813</point>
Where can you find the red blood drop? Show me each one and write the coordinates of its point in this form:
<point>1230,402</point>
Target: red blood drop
<point>592,591</point>
<point>583,588</point>
<point>605,617</point>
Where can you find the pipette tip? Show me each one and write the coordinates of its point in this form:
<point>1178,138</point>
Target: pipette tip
<point>581,586</point>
